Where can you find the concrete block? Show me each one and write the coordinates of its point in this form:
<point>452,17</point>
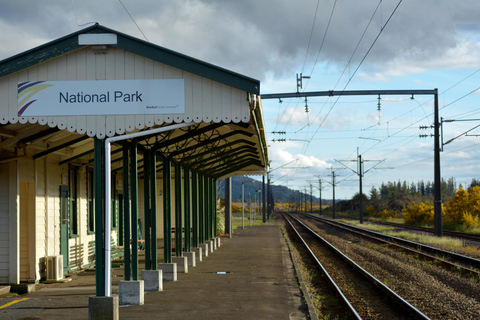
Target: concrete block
<point>210,246</point>
<point>182,264</point>
<point>153,280</point>
<point>4,289</point>
<point>169,271</point>
<point>103,308</point>
<point>214,243</point>
<point>218,242</point>
<point>22,288</point>
<point>205,249</point>
<point>131,292</point>
<point>198,254</point>
<point>190,258</point>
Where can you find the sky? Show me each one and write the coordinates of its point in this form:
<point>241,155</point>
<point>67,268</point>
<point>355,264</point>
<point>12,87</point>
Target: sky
<point>340,45</point>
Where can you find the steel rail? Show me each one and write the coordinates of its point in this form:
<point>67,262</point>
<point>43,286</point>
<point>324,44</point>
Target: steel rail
<point>389,292</point>
<point>457,234</point>
<point>421,249</point>
<point>338,291</point>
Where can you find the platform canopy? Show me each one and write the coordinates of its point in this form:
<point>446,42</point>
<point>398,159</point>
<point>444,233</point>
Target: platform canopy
<point>227,136</point>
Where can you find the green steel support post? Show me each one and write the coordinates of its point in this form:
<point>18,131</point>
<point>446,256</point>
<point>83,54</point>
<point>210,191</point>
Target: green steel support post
<point>178,211</point>
<point>153,210</point>
<point>201,206</point>
<point>126,214</point>
<point>187,213</point>
<point>146,206</point>
<point>134,208</point>
<point>207,207</point>
<point>195,209</point>
<point>99,187</point>
<point>167,208</point>
<point>212,207</point>
<point>214,198</point>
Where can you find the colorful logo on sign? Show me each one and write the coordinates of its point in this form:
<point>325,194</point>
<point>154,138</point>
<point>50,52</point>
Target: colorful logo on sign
<point>26,90</point>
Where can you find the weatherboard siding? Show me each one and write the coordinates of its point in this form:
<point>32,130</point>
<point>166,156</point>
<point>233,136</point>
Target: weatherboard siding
<point>40,217</point>
<point>13,223</point>
<point>4,224</point>
<point>205,100</point>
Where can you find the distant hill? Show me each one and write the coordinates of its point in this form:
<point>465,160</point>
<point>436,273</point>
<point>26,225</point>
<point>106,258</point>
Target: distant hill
<point>280,193</point>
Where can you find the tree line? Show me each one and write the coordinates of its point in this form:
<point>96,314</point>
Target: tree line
<point>420,188</point>
<point>398,195</point>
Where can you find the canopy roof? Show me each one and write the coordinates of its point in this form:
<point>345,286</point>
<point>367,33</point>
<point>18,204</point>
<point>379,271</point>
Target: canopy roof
<point>227,138</point>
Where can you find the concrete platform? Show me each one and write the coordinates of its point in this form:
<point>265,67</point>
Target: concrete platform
<point>251,276</point>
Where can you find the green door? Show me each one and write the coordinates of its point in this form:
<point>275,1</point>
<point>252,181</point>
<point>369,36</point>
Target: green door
<point>64,220</point>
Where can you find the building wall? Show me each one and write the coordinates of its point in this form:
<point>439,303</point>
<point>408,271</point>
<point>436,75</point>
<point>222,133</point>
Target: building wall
<point>205,100</point>
<point>39,183</point>
<point>40,231</point>
<point>4,223</point>
<point>9,223</point>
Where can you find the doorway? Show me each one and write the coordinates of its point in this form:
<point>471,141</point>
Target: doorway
<point>64,223</point>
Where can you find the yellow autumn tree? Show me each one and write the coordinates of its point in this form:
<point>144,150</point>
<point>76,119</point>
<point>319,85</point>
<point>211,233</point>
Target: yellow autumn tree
<point>418,213</point>
<point>474,201</point>
<point>463,208</point>
<point>456,207</point>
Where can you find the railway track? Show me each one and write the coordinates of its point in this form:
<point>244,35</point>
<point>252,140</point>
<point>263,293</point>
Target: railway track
<point>362,294</point>
<point>456,234</point>
<point>451,260</point>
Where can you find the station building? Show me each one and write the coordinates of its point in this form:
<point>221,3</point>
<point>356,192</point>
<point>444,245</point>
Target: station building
<point>52,152</point>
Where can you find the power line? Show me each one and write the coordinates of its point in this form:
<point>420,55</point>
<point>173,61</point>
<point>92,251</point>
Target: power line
<point>361,62</point>
<point>373,43</point>
<point>323,39</point>
<point>319,50</point>
<point>462,97</point>
<point>76,17</point>
<point>311,33</point>
<point>133,20</point>
<point>346,66</point>
<point>358,44</point>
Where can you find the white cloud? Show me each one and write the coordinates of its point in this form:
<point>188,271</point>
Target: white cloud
<point>269,42</point>
<point>466,54</point>
<point>18,40</point>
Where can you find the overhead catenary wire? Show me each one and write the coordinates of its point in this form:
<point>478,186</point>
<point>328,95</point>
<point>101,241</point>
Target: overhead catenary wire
<point>311,34</point>
<point>323,40</point>
<point>133,20</point>
<point>361,62</point>
<point>318,54</point>
<point>358,44</point>
<point>462,97</point>
<point>421,105</point>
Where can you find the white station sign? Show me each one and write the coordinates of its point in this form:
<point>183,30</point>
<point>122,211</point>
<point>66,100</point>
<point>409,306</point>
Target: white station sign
<point>102,97</point>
